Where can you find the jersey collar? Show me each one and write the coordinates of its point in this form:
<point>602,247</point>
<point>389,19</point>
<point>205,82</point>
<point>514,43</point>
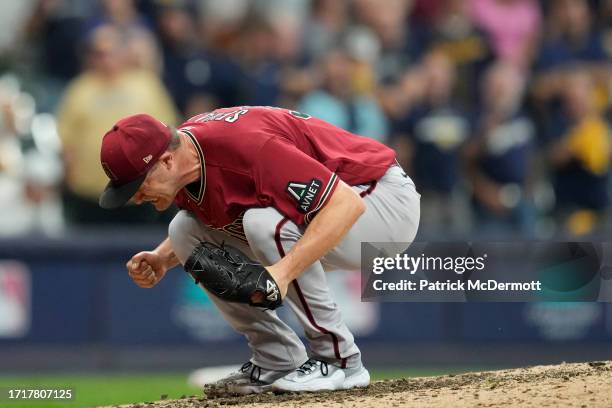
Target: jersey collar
<point>195,191</point>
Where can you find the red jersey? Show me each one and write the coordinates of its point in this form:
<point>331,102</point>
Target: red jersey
<point>263,156</point>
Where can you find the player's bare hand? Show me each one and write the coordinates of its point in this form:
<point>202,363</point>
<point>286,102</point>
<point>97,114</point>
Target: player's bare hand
<point>146,269</point>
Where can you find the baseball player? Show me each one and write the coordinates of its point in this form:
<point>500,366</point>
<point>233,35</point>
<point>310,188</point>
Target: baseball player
<point>291,191</point>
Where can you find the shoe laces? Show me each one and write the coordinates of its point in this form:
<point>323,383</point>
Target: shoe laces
<point>255,371</point>
<point>311,365</point>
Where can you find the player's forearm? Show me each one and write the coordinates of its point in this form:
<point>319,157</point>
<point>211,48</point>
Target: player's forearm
<point>167,254</point>
<point>325,231</point>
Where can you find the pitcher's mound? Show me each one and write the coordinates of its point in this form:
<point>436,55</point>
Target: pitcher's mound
<point>564,385</point>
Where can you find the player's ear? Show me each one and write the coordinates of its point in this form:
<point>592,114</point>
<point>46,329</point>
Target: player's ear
<point>166,160</point>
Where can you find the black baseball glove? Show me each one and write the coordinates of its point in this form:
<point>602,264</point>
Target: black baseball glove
<point>232,276</point>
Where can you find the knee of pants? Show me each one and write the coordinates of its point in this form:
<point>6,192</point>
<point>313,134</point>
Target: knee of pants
<point>260,225</point>
<point>181,232</point>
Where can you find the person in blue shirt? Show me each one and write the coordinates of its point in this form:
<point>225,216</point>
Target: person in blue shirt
<point>570,37</point>
<point>570,41</point>
<point>337,101</point>
<point>499,156</point>
<point>429,139</point>
<point>579,153</point>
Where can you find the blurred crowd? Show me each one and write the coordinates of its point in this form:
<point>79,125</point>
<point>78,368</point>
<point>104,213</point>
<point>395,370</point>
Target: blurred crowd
<point>500,110</point>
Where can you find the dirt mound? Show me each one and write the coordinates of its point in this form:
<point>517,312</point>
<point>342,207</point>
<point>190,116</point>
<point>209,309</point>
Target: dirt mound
<point>564,385</point>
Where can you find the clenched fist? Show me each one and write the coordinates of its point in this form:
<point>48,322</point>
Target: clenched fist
<point>146,269</point>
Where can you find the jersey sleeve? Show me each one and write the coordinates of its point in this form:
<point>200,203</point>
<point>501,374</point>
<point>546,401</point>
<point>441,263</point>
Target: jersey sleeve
<point>294,183</point>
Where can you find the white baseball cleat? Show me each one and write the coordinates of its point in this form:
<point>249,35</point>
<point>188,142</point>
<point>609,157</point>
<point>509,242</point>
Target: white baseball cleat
<point>356,378</point>
<point>249,379</point>
<point>315,375</point>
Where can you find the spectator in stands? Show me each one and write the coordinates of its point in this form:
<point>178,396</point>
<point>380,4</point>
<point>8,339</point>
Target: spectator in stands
<point>58,27</point>
<point>499,156</point>
<point>249,67</point>
<point>287,20</point>
<point>107,90</point>
<point>570,37</point>
<point>220,20</point>
<point>570,42</point>
<point>390,24</point>
<point>513,27</point>
<point>255,53</point>
<point>455,34</point>
<point>54,33</point>
<point>189,70</point>
<point>429,140</point>
<point>338,102</point>
<point>324,28</point>
<point>30,167</point>
<point>580,157</point>
<point>14,16</point>
<point>141,50</point>
<point>604,15</point>
<point>425,12</point>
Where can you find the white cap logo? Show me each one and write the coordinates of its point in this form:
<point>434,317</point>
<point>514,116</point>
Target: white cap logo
<point>147,159</point>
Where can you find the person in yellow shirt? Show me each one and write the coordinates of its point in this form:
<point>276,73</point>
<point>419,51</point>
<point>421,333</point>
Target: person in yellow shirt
<point>107,89</point>
<point>581,158</point>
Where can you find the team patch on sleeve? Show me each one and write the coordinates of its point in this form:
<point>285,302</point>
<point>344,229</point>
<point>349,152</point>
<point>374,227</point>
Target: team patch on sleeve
<point>304,193</point>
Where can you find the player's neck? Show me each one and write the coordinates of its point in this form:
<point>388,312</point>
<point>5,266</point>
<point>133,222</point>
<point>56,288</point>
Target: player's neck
<point>189,160</point>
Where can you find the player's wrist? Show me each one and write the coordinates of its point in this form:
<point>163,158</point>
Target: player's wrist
<point>166,254</point>
<point>168,260</point>
<point>279,274</point>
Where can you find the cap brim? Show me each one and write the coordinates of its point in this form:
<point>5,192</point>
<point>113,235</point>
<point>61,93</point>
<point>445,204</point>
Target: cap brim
<point>117,196</point>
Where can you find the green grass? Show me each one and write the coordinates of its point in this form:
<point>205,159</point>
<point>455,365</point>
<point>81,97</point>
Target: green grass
<point>92,390</point>
<point>95,390</point>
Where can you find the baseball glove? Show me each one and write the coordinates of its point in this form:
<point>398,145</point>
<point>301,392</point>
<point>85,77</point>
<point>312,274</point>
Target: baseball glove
<point>232,276</point>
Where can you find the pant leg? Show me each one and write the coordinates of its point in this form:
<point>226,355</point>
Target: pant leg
<point>270,236</point>
<point>392,216</point>
<point>273,343</point>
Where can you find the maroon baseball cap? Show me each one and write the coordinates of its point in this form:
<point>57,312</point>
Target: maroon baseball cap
<point>129,151</point>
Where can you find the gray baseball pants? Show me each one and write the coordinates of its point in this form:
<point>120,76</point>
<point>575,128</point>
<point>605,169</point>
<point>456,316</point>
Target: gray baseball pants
<point>392,215</point>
